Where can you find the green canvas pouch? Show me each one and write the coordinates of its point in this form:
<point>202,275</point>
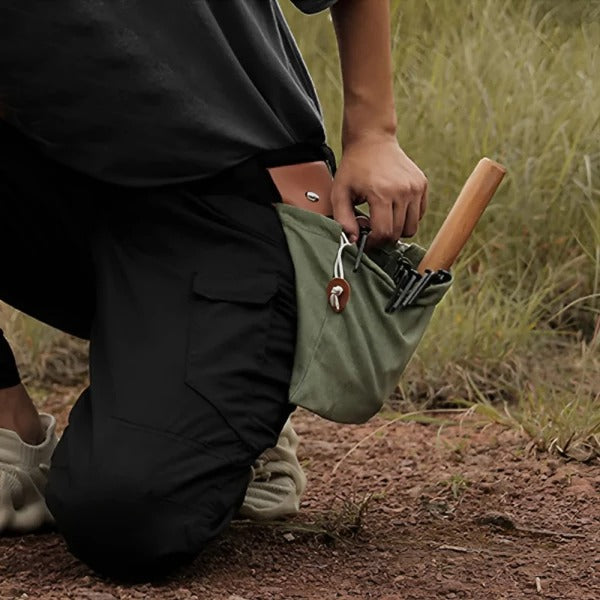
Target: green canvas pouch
<point>347,364</point>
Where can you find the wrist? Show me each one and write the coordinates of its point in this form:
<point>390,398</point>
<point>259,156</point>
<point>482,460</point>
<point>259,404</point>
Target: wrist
<point>368,120</point>
<point>368,133</point>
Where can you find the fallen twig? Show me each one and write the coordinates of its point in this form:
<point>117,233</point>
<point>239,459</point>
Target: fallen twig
<point>458,549</point>
<point>287,527</point>
<point>465,550</point>
<point>565,534</point>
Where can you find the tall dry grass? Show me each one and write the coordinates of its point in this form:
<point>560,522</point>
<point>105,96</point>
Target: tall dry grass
<point>519,81</point>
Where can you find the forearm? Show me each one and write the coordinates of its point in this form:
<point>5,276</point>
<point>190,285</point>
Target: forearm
<point>362,29</point>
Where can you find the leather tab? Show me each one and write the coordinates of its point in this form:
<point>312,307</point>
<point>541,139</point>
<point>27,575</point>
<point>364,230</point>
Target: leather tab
<point>337,301</point>
<point>305,185</point>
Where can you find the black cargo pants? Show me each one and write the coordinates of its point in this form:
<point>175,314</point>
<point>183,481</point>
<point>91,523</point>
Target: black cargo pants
<point>187,296</point>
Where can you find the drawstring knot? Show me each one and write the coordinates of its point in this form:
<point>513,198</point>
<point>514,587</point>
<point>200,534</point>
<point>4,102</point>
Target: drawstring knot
<point>334,297</point>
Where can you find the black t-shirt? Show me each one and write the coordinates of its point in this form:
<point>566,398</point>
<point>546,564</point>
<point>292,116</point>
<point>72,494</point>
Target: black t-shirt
<point>145,92</point>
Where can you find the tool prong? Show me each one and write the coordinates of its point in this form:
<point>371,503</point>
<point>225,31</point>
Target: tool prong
<point>362,241</point>
<point>397,290</point>
<point>416,291</point>
<point>413,277</point>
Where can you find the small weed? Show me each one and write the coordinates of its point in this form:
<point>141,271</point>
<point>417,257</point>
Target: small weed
<point>458,448</point>
<point>343,521</point>
<point>346,518</point>
<point>456,484</point>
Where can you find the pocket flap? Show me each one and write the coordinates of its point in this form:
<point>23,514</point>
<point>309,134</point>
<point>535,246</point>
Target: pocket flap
<point>258,288</point>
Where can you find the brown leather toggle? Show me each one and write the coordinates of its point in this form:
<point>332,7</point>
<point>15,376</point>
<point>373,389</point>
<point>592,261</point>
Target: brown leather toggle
<point>333,293</point>
<point>305,185</point>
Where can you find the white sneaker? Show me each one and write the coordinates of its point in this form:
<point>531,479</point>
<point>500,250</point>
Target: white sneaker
<point>23,476</point>
<point>278,481</point>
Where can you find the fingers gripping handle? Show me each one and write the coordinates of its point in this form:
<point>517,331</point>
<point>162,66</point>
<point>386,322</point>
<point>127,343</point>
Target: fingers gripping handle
<point>463,216</point>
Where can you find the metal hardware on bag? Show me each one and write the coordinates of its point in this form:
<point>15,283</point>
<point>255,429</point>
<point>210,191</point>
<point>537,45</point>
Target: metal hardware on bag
<point>305,185</point>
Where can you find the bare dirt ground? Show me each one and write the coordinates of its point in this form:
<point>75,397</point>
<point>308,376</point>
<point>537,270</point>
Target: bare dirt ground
<point>414,512</point>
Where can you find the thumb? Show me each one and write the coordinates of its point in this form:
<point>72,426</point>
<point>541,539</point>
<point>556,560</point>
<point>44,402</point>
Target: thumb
<point>343,211</point>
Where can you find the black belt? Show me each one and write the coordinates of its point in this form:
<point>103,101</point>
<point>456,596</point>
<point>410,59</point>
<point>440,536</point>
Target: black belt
<point>251,179</point>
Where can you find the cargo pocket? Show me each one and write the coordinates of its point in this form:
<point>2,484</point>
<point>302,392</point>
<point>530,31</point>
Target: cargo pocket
<point>229,331</point>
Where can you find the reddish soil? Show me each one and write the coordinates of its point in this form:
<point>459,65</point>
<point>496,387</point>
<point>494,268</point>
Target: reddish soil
<point>461,512</point>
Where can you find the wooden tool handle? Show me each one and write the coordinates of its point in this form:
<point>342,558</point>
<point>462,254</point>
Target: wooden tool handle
<point>463,216</point>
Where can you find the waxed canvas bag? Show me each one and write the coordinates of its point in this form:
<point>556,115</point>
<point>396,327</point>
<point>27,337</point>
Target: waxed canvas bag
<point>347,364</point>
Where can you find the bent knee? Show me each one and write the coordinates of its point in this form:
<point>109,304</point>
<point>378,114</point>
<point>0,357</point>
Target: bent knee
<point>134,531</point>
<point>118,531</point>
<point>132,502</point>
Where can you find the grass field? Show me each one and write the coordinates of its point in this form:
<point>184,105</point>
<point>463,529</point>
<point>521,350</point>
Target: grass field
<point>518,81</point>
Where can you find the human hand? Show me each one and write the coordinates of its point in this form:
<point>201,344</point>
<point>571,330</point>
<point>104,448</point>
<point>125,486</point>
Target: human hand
<point>374,169</point>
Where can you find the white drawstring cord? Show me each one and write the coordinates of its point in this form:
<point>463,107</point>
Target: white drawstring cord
<point>338,267</point>
<point>338,273</point>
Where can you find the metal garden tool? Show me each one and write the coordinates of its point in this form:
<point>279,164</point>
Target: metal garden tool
<point>451,238</point>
